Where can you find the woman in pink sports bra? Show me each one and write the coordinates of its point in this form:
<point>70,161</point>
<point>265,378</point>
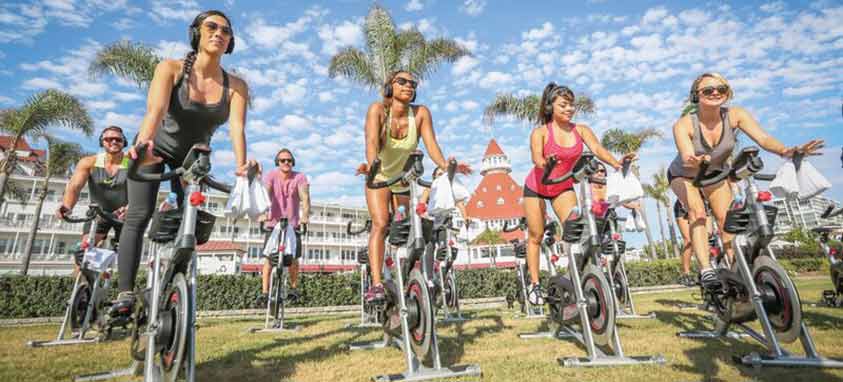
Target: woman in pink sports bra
<point>556,136</point>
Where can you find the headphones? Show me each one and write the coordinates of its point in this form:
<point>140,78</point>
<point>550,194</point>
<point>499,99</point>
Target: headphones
<point>693,96</point>
<point>114,128</point>
<point>194,34</point>
<point>387,90</point>
<point>278,162</point>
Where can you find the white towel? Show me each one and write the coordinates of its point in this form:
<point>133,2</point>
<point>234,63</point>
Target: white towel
<point>239,199</point>
<point>811,182</point>
<point>785,184</point>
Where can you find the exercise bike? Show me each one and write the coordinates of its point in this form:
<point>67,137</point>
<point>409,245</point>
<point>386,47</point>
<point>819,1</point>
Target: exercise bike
<point>834,297</point>
<point>165,313</point>
<point>585,296</point>
<point>445,275</point>
<point>368,312</point>
<point>756,286</point>
<point>548,244</point>
<point>89,303</point>
<point>279,261</point>
<point>408,316</point>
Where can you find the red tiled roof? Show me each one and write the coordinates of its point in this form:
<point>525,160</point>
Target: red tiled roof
<point>220,245</point>
<point>6,141</point>
<point>488,194</point>
<point>493,149</point>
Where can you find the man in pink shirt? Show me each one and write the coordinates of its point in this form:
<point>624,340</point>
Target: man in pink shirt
<point>288,193</point>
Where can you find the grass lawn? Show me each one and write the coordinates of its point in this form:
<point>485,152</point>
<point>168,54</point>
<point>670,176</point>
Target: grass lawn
<point>317,352</point>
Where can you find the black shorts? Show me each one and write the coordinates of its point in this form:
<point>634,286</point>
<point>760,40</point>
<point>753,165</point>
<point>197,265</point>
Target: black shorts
<point>298,243</point>
<point>103,226</point>
<point>528,193</point>
<point>679,211</point>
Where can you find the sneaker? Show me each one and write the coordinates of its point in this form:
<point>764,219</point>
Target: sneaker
<point>709,280</point>
<point>375,294</point>
<point>122,307</point>
<point>262,299</point>
<point>293,294</point>
<point>536,295</point>
<point>686,280</point>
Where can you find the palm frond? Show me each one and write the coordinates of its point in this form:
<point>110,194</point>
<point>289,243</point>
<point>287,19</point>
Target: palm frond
<point>428,56</point>
<point>583,104</point>
<point>44,109</point>
<point>525,109</point>
<point>125,59</point>
<point>380,42</point>
<point>622,142</point>
<point>354,64</point>
<point>62,155</point>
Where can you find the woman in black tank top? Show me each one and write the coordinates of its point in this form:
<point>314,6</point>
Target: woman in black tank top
<point>701,135</point>
<point>188,100</point>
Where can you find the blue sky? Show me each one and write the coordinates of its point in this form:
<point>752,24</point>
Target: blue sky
<point>635,59</point>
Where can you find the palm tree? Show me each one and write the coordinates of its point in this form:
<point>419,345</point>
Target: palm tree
<point>128,60</point>
<point>388,50</point>
<point>60,157</point>
<point>660,181</point>
<point>527,108</point>
<point>33,118</point>
<point>659,194</point>
<point>621,142</point>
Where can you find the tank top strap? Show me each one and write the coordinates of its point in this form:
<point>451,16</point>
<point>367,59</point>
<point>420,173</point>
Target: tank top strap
<point>224,86</point>
<point>576,133</point>
<point>697,138</point>
<point>411,124</point>
<point>100,160</point>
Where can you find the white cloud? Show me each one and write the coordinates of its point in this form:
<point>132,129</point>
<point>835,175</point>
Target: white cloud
<point>295,123</point>
<point>414,5</point>
<point>41,83</point>
<point>654,15</point>
<point>126,97</point>
<point>293,93</point>
<point>538,33</point>
<point>6,100</point>
<point>473,7</point>
<point>273,36</point>
<point>463,65</point>
<point>87,89</point>
<point>174,10</point>
<point>223,157</point>
<point>334,179</point>
<point>101,105</point>
<point>495,80</point>
<point>172,49</point>
<point>344,34</point>
<point>773,7</point>
<point>126,121</point>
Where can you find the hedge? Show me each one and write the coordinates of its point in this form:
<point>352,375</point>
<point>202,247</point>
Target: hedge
<point>45,296</point>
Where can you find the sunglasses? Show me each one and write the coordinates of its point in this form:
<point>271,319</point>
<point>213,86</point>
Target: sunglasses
<point>212,27</point>
<point>709,90</point>
<point>285,160</point>
<point>112,139</point>
<point>403,82</point>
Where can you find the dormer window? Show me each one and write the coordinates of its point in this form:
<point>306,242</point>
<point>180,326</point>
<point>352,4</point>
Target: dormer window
<point>480,204</point>
<point>500,201</point>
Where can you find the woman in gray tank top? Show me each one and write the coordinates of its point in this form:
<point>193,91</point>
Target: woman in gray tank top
<point>188,100</point>
<point>709,133</point>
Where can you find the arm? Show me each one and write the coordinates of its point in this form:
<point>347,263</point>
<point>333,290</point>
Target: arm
<point>682,138</point>
<point>594,145</point>
<point>750,126</point>
<point>77,182</point>
<point>237,122</point>
<point>304,195</point>
<point>429,138</point>
<point>158,99</point>
<point>537,147</point>
<point>373,131</point>
<point>425,196</point>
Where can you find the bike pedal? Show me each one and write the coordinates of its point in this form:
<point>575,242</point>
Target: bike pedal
<point>569,312</point>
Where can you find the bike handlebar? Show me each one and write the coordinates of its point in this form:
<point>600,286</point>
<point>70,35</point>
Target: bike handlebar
<point>701,181</point>
<point>830,212</point>
<point>366,228</point>
<point>93,211</point>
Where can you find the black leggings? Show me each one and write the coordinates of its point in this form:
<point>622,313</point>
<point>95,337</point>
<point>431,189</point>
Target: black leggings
<point>142,197</point>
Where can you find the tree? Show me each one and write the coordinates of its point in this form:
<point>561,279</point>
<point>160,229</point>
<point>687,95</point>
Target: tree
<point>490,238</point>
<point>40,112</point>
<point>388,50</point>
<point>659,194</point>
<point>621,142</point>
<point>61,156</point>
<point>128,60</point>
<point>527,108</point>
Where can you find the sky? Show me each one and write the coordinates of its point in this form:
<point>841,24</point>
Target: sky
<point>635,59</point>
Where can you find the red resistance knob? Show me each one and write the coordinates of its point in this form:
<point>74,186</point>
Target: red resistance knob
<point>421,208</point>
<point>196,198</point>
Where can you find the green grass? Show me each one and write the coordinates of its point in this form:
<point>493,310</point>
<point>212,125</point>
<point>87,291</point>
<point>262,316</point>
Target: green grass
<point>317,352</point>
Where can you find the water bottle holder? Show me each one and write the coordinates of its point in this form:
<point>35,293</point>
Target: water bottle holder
<point>573,231</point>
<point>609,249</point>
<point>519,247</point>
<point>165,226</point>
<point>363,256</point>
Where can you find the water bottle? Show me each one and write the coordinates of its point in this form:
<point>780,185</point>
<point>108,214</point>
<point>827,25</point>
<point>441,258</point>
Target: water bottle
<point>399,215</point>
<point>170,203</point>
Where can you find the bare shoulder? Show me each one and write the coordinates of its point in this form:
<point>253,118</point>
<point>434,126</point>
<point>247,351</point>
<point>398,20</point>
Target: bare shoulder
<point>87,162</point>
<point>421,111</point>
<point>583,128</point>
<point>539,132</point>
<point>238,84</point>
<point>683,124</point>
<point>376,108</point>
<point>169,66</point>
<point>738,113</point>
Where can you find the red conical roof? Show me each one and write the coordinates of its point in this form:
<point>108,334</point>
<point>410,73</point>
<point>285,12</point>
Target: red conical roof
<point>493,149</point>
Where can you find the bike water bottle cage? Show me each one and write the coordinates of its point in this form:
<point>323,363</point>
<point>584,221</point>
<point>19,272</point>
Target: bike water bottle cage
<point>363,256</point>
<point>550,233</point>
<point>519,247</point>
<point>608,246</point>
<point>165,226</point>
<point>739,220</point>
<point>399,232</point>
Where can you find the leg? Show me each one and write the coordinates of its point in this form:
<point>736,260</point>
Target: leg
<point>294,267</point>
<point>535,210</point>
<point>265,273</point>
<point>690,197</point>
<point>142,196</point>
<point>720,198</point>
<point>377,201</point>
<point>685,229</point>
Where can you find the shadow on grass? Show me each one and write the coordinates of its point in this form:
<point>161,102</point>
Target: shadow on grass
<point>711,353</point>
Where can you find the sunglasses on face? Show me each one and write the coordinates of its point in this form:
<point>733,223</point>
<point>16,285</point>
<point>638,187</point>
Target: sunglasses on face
<point>285,160</point>
<point>212,27</point>
<point>403,82</point>
<point>709,90</point>
<point>112,139</point>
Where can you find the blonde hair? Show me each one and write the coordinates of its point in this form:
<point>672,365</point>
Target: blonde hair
<point>692,94</point>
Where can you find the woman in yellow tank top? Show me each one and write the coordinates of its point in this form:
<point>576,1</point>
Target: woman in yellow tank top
<point>393,128</point>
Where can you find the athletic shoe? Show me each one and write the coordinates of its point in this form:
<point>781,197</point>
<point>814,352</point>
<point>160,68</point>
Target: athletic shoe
<point>293,294</point>
<point>122,307</point>
<point>375,294</point>
<point>262,299</point>
<point>709,280</point>
<point>536,295</point>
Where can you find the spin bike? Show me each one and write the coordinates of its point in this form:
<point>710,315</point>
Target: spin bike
<point>755,286</point>
<point>88,304</point>
<point>274,321</point>
<point>522,275</point>
<point>165,312</point>
<point>446,252</point>
<point>368,312</point>
<point>612,244</point>
<point>408,314</point>
<point>834,297</point>
<point>585,296</point>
